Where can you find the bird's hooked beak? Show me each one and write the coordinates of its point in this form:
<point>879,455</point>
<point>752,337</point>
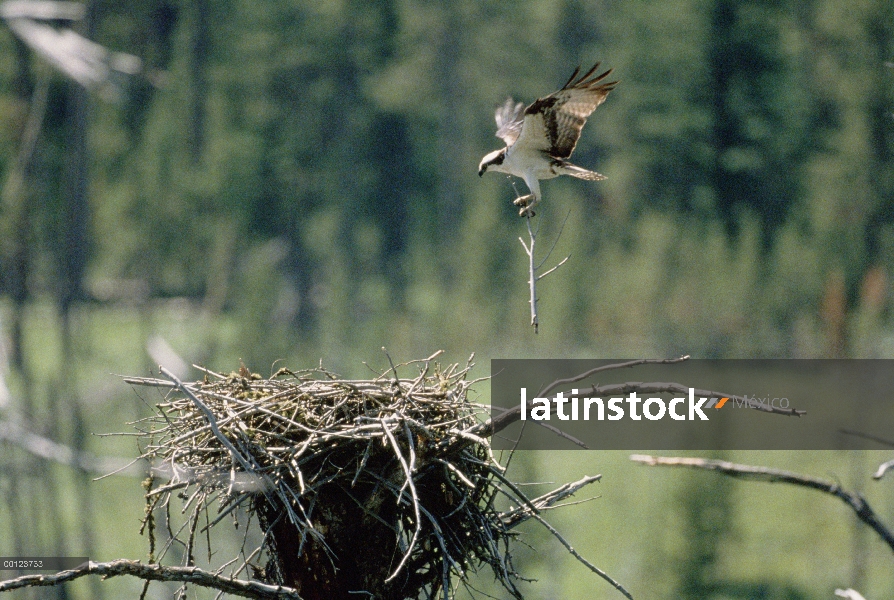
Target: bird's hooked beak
<point>494,158</point>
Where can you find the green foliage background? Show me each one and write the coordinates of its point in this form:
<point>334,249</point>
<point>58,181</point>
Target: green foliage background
<point>294,181</point>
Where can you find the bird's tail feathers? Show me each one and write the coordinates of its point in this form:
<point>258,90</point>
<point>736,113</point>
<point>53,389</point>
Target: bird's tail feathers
<point>581,173</point>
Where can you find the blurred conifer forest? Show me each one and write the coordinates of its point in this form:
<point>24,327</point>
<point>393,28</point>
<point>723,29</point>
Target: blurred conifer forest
<point>286,182</point>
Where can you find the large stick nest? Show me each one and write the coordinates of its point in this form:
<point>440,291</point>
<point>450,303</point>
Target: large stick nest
<point>372,485</point>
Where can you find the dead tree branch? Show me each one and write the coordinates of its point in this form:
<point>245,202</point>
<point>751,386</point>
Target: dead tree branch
<point>155,572</point>
<point>854,500</point>
<point>583,560</point>
<point>883,468</point>
<point>849,594</point>
<point>531,510</point>
<point>19,435</point>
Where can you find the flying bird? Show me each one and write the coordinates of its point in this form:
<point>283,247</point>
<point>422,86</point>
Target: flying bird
<point>540,138</point>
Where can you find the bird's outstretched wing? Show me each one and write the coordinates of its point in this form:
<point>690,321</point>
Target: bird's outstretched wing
<point>509,117</point>
<point>553,124</point>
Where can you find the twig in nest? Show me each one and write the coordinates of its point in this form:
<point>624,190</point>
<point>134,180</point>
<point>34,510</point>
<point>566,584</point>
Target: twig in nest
<point>854,500</point>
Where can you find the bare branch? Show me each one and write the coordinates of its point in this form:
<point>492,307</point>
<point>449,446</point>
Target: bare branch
<point>532,275</point>
<point>561,262</point>
<point>90,64</point>
<point>849,594</point>
<point>676,388</point>
<point>624,365</point>
<point>156,572</point>
<point>555,242</point>
<point>43,447</point>
<point>514,517</point>
<point>883,468</point>
<point>854,500</point>
<point>45,11</point>
<point>581,559</point>
<point>534,267</point>
<point>530,509</point>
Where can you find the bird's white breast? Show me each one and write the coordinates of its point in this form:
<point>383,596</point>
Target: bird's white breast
<point>521,160</point>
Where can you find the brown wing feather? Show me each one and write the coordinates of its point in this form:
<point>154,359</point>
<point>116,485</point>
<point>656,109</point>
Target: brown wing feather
<point>564,113</point>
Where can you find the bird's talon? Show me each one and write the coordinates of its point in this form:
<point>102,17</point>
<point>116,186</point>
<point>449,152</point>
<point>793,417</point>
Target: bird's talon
<point>522,200</point>
<point>526,203</point>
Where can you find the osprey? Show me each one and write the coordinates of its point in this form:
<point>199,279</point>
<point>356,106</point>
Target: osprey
<point>542,136</point>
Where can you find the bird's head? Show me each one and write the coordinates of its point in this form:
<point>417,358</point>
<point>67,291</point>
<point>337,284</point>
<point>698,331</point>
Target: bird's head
<point>494,158</point>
